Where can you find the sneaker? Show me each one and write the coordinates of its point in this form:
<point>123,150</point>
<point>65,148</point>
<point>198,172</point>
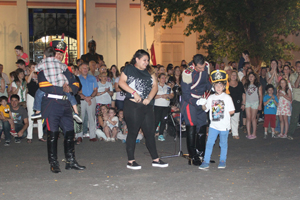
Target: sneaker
<point>204,166</point>
<point>123,141</point>
<point>289,137</point>
<point>13,133</point>
<point>7,143</point>
<point>137,141</point>
<point>260,120</point>
<point>17,141</point>
<point>36,116</point>
<point>77,118</point>
<point>108,139</point>
<point>160,163</point>
<point>265,136</point>
<point>222,165</point>
<point>161,138</point>
<point>112,139</point>
<point>133,166</point>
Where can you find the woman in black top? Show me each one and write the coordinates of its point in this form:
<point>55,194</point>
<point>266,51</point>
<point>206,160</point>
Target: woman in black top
<point>140,87</point>
<point>32,86</point>
<point>238,96</point>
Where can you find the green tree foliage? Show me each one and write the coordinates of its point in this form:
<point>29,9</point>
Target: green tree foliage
<point>231,26</point>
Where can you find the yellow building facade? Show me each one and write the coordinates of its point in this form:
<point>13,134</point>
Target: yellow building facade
<point>119,27</point>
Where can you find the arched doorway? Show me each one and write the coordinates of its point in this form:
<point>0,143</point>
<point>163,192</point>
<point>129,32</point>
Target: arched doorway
<point>48,24</point>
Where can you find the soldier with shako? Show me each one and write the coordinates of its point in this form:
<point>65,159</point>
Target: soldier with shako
<point>57,112</point>
<point>194,84</point>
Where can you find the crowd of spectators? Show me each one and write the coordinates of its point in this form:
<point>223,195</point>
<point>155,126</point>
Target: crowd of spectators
<point>260,93</point>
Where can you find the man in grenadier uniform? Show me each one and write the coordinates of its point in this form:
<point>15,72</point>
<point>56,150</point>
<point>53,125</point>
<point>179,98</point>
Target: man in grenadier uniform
<point>57,112</point>
<point>194,84</point>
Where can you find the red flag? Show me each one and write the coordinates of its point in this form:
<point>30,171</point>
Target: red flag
<point>153,58</point>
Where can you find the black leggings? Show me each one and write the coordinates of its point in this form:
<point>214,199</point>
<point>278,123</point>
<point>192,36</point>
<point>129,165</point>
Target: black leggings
<point>138,115</point>
<point>161,115</point>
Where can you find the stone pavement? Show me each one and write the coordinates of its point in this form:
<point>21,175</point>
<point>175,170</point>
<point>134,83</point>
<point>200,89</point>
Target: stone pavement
<point>256,169</point>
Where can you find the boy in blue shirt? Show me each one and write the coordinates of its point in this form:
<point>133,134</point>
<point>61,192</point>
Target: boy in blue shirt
<point>270,108</point>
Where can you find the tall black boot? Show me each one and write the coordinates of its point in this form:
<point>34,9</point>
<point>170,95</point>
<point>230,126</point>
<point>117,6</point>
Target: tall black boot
<point>52,151</point>
<point>69,148</point>
<point>201,141</point>
<point>190,143</point>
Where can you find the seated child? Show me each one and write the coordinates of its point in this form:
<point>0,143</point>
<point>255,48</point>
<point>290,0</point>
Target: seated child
<point>111,124</point>
<point>48,65</point>
<point>7,116</point>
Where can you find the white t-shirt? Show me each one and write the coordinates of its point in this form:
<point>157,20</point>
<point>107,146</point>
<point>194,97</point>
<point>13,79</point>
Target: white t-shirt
<point>104,98</point>
<point>162,102</point>
<point>21,91</point>
<point>219,107</point>
<point>114,119</point>
<point>120,95</point>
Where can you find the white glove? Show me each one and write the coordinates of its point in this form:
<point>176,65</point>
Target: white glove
<point>201,102</point>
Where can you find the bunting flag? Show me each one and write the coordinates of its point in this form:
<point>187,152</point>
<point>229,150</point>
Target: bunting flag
<point>153,58</point>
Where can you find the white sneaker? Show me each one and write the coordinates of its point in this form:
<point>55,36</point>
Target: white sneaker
<point>260,120</point>
<point>108,139</point>
<point>112,139</point>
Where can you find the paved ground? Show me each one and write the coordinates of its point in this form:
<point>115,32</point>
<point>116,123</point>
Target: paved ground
<point>256,169</point>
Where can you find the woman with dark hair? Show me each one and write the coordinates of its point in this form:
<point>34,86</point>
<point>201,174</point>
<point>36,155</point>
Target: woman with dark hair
<point>272,75</point>
<point>253,103</point>
<point>176,81</point>
<point>140,87</point>
<point>19,86</point>
<point>33,86</point>
<point>237,94</point>
<point>21,55</point>
<point>113,74</point>
<point>286,75</point>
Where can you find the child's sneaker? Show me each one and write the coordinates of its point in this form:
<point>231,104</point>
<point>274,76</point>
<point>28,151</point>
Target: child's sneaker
<point>108,139</point>
<point>265,136</point>
<point>204,166</point>
<point>77,118</point>
<point>112,139</point>
<point>137,141</point>
<point>222,165</point>
<point>13,133</point>
<point>161,138</point>
<point>36,116</point>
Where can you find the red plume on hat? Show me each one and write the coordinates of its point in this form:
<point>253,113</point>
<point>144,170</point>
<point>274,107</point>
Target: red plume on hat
<point>59,44</point>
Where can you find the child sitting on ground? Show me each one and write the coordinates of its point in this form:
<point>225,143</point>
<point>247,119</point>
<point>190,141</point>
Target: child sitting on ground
<point>111,124</point>
<point>53,74</point>
<point>6,115</point>
<point>220,107</point>
<point>122,135</point>
<point>270,109</point>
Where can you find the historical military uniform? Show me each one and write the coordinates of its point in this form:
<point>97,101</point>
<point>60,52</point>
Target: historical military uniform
<point>194,84</point>
<point>57,112</point>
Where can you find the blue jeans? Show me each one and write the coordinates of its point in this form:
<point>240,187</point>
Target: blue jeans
<point>6,129</point>
<point>212,136</point>
<point>37,105</point>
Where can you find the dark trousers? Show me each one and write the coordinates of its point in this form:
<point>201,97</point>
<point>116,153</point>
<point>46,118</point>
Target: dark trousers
<point>161,115</point>
<point>138,115</point>
<point>294,117</point>
<point>60,116</point>
<point>6,129</point>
